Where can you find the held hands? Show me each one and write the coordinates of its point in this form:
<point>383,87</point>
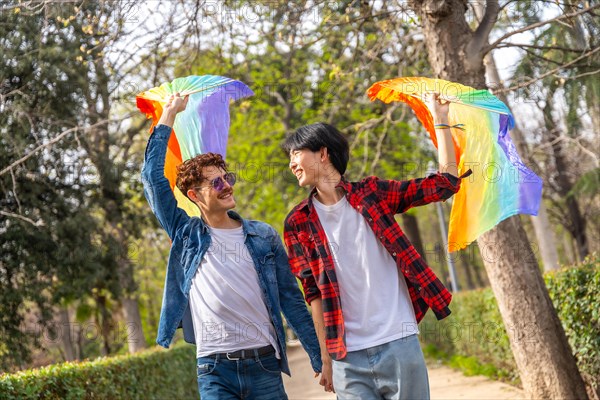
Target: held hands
<point>174,105</point>
<point>326,376</point>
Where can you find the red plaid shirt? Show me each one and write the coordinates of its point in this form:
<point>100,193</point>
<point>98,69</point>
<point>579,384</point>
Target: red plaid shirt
<point>377,201</point>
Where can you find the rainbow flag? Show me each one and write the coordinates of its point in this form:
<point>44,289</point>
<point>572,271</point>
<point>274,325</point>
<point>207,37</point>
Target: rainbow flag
<point>501,185</point>
<point>202,128</point>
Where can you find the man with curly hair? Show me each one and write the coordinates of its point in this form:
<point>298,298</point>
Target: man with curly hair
<point>228,279</point>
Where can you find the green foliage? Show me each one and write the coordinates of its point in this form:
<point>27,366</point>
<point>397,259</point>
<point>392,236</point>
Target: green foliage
<point>588,184</point>
<point>574,292</point>
<point>152,374</point>
<point>473,330</point>
<point>473,338</point>
<point>73,206</point>
<point>471,367</point>
<point>49,250</point>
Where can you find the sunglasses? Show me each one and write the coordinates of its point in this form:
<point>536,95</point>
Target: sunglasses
<point>219,182</point>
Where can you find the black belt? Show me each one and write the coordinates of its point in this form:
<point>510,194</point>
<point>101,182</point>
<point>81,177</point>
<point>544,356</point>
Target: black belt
<point>245,354</point>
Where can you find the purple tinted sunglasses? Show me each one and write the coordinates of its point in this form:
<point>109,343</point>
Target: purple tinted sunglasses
<point>219,182</point>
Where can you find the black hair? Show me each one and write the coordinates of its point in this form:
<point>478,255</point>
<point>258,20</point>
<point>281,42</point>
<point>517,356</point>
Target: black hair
<point>316,136</point>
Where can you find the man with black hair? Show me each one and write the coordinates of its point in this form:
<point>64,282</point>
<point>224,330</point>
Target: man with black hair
<point>367,285</point>
<point>228,280</point>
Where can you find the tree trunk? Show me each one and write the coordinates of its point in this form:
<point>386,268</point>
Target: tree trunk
<point>577,225</point>
<point>568,246</point>
<point>546,239</point>
<point>135,334</point>
<point>103,321</point>
<point>110,185</point>
<point>66,331</point>
<point>447,37</point>
<point>544,359</point>
<point>480,277</point>
<point>468,271</point>
<point>411,228</point>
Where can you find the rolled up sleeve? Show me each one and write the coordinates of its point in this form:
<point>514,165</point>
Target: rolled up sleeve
<point>403,195</point>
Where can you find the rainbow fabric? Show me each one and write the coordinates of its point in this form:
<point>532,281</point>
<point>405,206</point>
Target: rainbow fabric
<point>202,128</point>
<point>501,185</point>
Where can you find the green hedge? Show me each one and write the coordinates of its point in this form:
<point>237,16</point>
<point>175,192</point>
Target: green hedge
<point>152,374</point>
<point>474,339</point>
<point>575,293</point>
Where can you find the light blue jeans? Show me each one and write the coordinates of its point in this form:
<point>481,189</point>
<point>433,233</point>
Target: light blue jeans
<point>394,370</point>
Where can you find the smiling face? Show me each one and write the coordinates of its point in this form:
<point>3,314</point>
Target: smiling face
<point>306,165</point>
<point>318,153</point>
<point>209,199</point>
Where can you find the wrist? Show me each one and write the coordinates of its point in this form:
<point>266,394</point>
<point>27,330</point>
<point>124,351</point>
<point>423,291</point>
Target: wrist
<point>442,119</point>
<point>169,113</point>
<point>449,127</point>
<point>167,118</point>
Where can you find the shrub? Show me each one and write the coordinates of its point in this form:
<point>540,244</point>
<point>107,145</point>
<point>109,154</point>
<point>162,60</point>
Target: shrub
<point>575,295</point>
<point>474,332</point>
<point>152,374</point>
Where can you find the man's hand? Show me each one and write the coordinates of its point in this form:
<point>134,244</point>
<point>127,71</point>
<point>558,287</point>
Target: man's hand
<point>174,105</point>
<point>326,375</point>
<point>439,108</point>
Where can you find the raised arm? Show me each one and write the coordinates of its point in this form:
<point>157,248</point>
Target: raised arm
<point>402,195</point>
<point>156,186</point>
<point>446,154</point>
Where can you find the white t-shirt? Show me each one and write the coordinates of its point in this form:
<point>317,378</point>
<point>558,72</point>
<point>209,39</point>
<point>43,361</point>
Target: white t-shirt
<point>226,301</point>
<point>375,302</point>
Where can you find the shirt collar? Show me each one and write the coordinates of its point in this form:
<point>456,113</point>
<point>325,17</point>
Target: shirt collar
<point>247,228</point>
<point>343,183</point>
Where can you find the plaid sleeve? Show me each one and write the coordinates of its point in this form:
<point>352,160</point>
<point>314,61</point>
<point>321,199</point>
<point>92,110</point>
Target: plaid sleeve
<point>403,195</point>
<point>299,264</point>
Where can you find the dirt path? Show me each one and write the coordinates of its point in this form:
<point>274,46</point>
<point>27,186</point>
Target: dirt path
<point>445,383</point>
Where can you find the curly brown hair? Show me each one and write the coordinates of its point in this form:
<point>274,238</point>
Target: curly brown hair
<point>189,173</point>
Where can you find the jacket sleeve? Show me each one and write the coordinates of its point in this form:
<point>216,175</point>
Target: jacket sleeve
<point>403,195</point>
<point>293,305</point>
<point>156,186</point>
<point>299,264</point>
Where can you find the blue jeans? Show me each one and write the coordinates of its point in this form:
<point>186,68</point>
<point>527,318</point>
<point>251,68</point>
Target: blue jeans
<point>394,370</point>
<point>254,379</point>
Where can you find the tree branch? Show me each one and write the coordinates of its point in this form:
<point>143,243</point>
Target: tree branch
<point>56,139</point>
<point>39,222</point>
<point>584,74</point>
<point>538,57</point>
<point>537,25</point>
<point>522,85</point>
<point>481,35</point>
<point>530,46</point>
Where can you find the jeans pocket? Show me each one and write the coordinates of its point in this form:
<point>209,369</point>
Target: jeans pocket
<point>269,364</point>
<point>205,366</point>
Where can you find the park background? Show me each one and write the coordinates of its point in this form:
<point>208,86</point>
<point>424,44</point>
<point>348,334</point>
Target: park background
<point>83,260</point>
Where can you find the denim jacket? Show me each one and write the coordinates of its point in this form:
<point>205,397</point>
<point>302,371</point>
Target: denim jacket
<point>190,239</point>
